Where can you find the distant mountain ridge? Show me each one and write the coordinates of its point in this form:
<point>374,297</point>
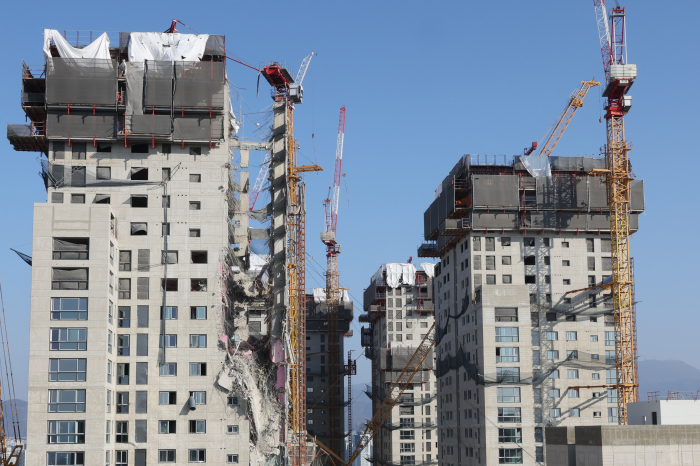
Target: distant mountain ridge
<point>664,376</point>
<point>21,417</point>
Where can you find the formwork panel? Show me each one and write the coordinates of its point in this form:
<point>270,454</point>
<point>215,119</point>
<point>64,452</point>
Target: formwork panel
<point>494,220</point>
<point>543,220</point>
<point>599,221</point>
<point>546,192</point>
<point>199,84</point>
<point>151,124</point>
<point>571,221</point>
<point>637,195</point>
<point>81,124</point>
<point>597,192</point>
<point>81,81</point>
<point>495,190</point>
<point>198,128</point>
<point>571,192</point>
<point>159,84</point>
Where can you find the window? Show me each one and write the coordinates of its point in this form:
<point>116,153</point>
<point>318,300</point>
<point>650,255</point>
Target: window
<point>589,245</point>
<point>232,401</point>
<point>508,374</point>
<point>612,395</point>
<point>125,261</point>
<point>57,198</point>
<point>198,341</point>
<point>168,313</point>
<point>198,313</point>
<point>198,284</point>
<point>195,233</point>
<point>69,308</point>
<point>612,415</point>
<point>198,427</point>
<point>508,354</point>
<point>139,228</point>
<point>66,432</point>
<point>169,257</point>
<point>123,374</point>
<point>122,432</point>
<point>407,435</point>
<point>139,202</point>
<point>505,241</point>
<point>595,357</point>
<point>69,278</point>
<point>167,427</point>
<point>571,318</point>
<point>195,178</point>
<point>123,345</point>
<point>551,316</point>
<point>168,284</point>
<point>510,435</point>
<point>168,341</point>
<point>506,314</point>
<point>166,456</point>
<point>507,279</point>
<point>195,205</point>
<point>596,414</point>
<point>609,338</point>
<point>407,460</point>
<point>553,355</point>
<point>199,257</point>
<point>507,334</point>
<point>573,393</point>
<point>104,173</point>
<point>71,248</point>
<point>555,412</point>
<point>566,281</point>
<point>554,393</point>
<point>510,456</point>
<point>65,458</point>
<point>68,339</point>
<point>571,336</point>
<point>197,456</point>
<point>529,260</point>
<point>508,394</point>
<point>595,376</point>
<point>66,401</point>
<point>198,368</point>
<point>231,459</point>
<point>200,398</point>
<point>554,374</point>
<point>407,447</point>
<point>121,457</point>
<point>572,373</point>
<point>233,430</point>
<point>610,357</point>
<point>124,317</point>
<point>571,354</point>
<point>122,402</point>
<point>505,260</point>
<point>109,374</point>
<point>167,398</point>
<point>79,150</point>
<point>169,369</point>
<point>530,280</point>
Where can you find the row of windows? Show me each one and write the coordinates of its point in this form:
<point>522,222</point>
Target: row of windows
<point>77,458</point>
<point>79,151</point>
<point>76,278</point>
<point>490,243</point>
<point>75,339</point>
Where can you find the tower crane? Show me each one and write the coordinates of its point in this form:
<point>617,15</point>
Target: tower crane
<point>328,237</point>
<point>12,458</point>
<point>291,93</point>
<point>619,77</point>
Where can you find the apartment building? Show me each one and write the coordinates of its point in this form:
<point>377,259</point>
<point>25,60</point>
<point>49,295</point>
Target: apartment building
<point>515,350</point>
<point>132,257</point>
<point>399,309</point>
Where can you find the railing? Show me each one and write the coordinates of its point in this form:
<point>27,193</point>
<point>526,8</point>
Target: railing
<point>33,99</point>
<point>656,396</point>
<point>33,71</point>
<point>79,38</point>
<point>490,159</point>
<point>25,131</point>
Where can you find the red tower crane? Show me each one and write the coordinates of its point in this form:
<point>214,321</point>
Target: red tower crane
<point>328,237</point>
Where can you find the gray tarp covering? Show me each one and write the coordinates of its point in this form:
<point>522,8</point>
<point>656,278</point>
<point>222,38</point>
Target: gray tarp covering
<point>495,190</point>
<point>18,131</point>
<point>543,220</point>
<point>546,192</point>
<point>494,220</point>
<point>597,192</point>
<point>159,83</point>
<point>81,124</point>
<point>259,233</point>
<point>136,121</point>
<point>151,124</point>
<point>81,81</point>
<point>567,163</point>
<point>634,222</point>
<point>566,220</point>
<point>137,227</point>
<point>572,192</point>
<point>199,84</point>
<point>69,274</point>
<point>637,195</point>
<point>198,128</point>
<point>599,221</point>
<point>216,45</point>
<point>66,244</point>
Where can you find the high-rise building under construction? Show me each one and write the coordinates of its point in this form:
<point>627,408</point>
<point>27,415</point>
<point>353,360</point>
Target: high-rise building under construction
<point>525,333</point>
<point>142,280</point>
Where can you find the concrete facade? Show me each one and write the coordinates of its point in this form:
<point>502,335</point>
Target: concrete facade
<point>510,342</point>
<point>623,445</point>
<point>399,319</point>
<point>664,413</point>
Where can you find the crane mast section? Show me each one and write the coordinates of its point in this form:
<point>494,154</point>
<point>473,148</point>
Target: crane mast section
<point>601,18</point>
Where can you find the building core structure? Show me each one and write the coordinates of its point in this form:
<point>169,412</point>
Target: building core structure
<point>156,335</point>
<point>399,309</point>
<point>525,329</point>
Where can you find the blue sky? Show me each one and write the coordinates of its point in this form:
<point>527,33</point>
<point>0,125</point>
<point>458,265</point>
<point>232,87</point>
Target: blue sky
<point>423,84</point>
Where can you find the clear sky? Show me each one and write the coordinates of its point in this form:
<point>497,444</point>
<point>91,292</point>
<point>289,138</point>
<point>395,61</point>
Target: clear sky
<point>423,83</point>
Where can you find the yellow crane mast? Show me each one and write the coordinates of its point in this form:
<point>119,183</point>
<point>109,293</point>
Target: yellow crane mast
<point>12,458</point>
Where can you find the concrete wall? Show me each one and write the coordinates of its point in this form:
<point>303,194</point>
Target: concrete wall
<point>668,412</point>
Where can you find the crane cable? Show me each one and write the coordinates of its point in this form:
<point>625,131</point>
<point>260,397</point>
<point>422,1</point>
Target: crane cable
<point>4,340</point>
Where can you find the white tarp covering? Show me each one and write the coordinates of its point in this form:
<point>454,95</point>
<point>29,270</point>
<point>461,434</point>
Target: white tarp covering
<point>345,297</point>
<point>167,47</point>
<point>400,273</point>
<point>319,295</point>
<point>258,261</point>
<point>428,268</point>
<point>99,48</point>
<point>536,165</point>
